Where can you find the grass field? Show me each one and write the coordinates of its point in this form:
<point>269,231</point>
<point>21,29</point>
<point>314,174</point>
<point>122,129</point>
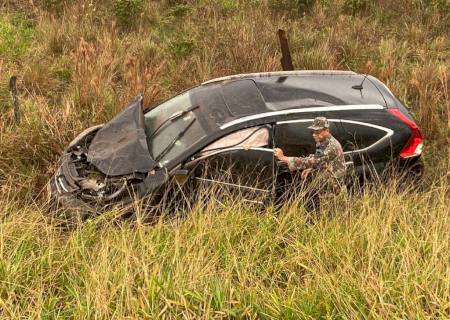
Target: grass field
<point>384,254</point>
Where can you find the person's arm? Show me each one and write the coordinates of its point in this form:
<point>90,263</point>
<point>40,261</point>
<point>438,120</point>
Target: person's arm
<point>318,160</point>
<point>294,163</point>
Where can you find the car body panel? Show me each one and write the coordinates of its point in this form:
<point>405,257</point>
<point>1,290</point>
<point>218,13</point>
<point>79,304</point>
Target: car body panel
<point>120,146</point>
<point>138,152</point>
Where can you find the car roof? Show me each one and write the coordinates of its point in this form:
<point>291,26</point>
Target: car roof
<point>228,98</point>
<point>279,74</point>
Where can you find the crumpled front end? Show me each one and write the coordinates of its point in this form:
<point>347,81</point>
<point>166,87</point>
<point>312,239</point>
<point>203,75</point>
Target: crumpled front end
<point>77,181</point>
<point>80,185</point>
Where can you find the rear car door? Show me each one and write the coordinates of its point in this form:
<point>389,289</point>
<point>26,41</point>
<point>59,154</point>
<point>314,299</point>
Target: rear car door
<point>358,139</point>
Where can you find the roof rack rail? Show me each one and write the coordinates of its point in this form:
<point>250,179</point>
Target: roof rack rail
<point>279,74</point>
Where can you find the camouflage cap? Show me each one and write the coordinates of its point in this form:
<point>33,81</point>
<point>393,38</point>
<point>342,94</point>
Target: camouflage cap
<point>319,123</point>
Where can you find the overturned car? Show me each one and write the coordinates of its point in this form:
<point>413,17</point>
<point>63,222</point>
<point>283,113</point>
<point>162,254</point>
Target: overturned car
<point>234,123</point>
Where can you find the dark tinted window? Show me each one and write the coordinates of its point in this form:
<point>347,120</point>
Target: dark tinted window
<point>251,168</point>
<point>212,105</point>
<point>243,97</point>
<point>296,139</point>
<point>358,136</point>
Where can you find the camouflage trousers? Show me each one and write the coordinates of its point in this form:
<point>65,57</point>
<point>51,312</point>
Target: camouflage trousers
<point>311,190</point>
<point>333,186</point>
<point>317,189</point>
<point>325,184</point>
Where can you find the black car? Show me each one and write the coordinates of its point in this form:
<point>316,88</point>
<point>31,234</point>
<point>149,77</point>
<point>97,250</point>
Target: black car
<point>230,125</point>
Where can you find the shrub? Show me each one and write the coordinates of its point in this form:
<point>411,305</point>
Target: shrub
<point>182,47</point>
<point>294,6</point>
<point>355,6</point>
<point>429,5</point>
<point>179,10</point>
<point>54,5</point>
<point>229,5</point>
<point>15,38</point>
<point>127,12</point>
<point>172,3</point>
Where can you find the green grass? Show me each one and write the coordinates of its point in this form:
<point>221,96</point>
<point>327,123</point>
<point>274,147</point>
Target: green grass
<point>382,255</point>
<point>378,255</point>
<point>15,36</point>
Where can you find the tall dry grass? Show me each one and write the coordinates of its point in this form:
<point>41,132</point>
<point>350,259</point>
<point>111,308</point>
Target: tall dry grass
<point>382,254</point>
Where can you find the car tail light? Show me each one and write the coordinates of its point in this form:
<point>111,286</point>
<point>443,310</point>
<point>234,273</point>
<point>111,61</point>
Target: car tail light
<point>414,145</point>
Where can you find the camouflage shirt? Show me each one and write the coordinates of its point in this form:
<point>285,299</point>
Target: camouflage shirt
<point>328,159</point>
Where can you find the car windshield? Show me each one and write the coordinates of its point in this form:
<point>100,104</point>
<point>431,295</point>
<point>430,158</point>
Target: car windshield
<point>171,128</point>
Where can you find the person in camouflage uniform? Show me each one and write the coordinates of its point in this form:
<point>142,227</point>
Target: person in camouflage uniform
<point>328,162</point>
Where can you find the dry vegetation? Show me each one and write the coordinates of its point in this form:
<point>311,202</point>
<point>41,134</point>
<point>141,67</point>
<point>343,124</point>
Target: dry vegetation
<point>383,254</point>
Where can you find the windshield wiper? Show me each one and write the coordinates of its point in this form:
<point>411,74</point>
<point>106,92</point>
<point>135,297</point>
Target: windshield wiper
<point>175,116</point>
<point>172,143</point>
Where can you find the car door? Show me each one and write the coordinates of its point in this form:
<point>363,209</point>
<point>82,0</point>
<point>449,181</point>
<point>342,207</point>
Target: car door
<point>357,138</point>
<point>239,164</point>
<point>295,139</point>
<point>361,144</point>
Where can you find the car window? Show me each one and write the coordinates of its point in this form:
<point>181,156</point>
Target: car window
<point>295,138</point>
<point>173,137</point>
<point>248,138</point>
<point>157,115</point>
<point>242,97</point>
<point>242,160</point>
<point>355,136</point>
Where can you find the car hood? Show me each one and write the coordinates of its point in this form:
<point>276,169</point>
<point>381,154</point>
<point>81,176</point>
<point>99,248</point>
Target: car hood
<point>120,146</point>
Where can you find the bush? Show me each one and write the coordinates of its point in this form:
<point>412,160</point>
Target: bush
<point>229,5</point>
<point>294,6</point>
<point>179,10</point>
<point>127,12</point>
<point>15,37</point>
<point>54,5</point>
<point>182,47</point>
<point>355,6</point>
<point>173,3</point>
<point>429,5</point>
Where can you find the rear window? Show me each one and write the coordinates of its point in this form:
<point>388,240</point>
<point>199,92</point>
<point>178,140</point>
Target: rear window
<point>355,137</point>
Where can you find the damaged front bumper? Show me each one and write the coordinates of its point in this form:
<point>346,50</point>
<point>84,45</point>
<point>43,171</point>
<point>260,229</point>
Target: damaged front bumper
<point>79,187</point>
<point>108,164</point>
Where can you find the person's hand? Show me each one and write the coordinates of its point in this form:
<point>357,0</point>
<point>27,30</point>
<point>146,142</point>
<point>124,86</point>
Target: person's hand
<point>278,153</point>
<point>305,173</point>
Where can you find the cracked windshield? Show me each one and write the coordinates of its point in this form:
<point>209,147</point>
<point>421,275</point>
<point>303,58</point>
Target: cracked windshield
<point>171,128</point>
